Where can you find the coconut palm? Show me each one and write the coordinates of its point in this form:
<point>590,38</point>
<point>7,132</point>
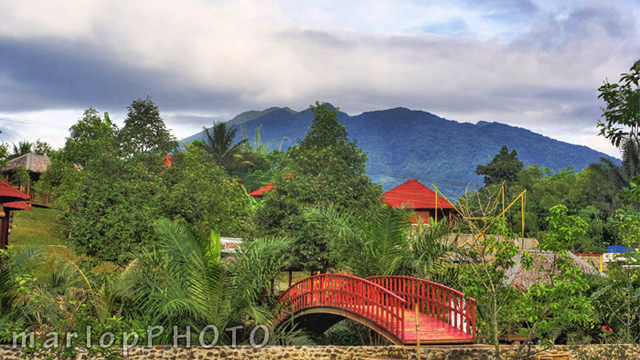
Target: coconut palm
<point>219,144</point>
<point>22,148</point>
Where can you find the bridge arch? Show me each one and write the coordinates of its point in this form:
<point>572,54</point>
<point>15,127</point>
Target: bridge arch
<point>319,319</point>
<point>349,297</point>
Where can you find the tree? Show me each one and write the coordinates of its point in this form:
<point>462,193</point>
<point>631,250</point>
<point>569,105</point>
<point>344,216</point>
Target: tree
<point>484,277</point>
<point>116,201</point>
<point>90,139</point>
<point>22,148</point>
<point>384,243</point>
<point>618,298</point>
<point>204,195</point>
<point>622,111</point>
<point>46,291</point>
<point>326,167</point>
<point>219,144</point>
<point>144,130</point>
<point>504,167</point>
<point>558,298</point>
<point>42,148</point>
<point>258,164</point>
<point>622,175</point>
<point>4,154</point>
<point>20,177</point>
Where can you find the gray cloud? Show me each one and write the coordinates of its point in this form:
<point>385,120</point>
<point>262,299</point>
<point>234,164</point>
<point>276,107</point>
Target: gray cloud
<point>545,72</point>
<point>46,74</point>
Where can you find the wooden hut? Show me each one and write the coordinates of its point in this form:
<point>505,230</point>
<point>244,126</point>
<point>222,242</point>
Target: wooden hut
<point>34,163</point>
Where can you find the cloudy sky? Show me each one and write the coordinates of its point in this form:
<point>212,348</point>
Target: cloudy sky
<point>535,64</point>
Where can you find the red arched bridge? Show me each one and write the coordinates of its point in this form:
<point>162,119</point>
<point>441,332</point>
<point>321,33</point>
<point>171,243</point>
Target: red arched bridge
<point>386,304</point>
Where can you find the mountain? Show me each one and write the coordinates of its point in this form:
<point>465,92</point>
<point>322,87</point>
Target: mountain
<point>409,144</point>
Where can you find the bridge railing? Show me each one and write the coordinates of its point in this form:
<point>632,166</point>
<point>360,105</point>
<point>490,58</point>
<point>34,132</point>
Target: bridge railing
<point>349,293</point>
<point>433,299</point>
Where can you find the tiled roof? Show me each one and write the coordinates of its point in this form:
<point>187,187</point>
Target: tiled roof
<point>415,195</point>
<point>17,205</point>
<point>32,162</point>
<point>8,193</point>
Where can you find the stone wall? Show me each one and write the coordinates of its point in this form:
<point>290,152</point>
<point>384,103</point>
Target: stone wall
<point>451,352</point>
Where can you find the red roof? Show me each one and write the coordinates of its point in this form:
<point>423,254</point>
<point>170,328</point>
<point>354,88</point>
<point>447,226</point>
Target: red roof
<point>415,195</point>
<point>8,193</point>
<point>168,160</point>
<point>17,205</point>
<point>260,192</point>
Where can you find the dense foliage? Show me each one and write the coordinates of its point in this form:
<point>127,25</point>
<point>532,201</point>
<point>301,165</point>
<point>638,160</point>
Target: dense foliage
<point>326,167</point>
<point>112,193</point>
<point>182,282</point>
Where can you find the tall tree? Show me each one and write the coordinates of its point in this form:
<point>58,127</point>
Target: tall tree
<point>505,166</point>
<point>144,130</point>
<point>622,111</point>
<point>42,148</point>
<point>326,167</point>
<point>219,144</point>
<point>4,154</point>
<point>89,138</point>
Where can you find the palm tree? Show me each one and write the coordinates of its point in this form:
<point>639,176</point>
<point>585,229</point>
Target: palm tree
<point>22,148</point>
<point>219,143</point>
<point>44,290</point>
<point>384,243</point>
<point>622,176</point>
<point>183,282</point>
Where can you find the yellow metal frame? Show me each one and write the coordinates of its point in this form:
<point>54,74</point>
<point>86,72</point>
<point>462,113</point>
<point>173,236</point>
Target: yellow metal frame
<point>481,232</point>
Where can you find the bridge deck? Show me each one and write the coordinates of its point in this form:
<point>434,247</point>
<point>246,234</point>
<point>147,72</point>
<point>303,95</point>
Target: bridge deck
<point>432,331</point>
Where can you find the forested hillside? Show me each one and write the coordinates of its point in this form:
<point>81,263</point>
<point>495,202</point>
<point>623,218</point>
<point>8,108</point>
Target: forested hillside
<point>404,143</point>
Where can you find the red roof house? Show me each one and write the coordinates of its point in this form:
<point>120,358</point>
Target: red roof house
<point>419,198</point>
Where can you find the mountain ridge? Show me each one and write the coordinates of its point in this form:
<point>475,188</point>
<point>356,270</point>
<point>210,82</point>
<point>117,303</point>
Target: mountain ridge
<point>403,143</point>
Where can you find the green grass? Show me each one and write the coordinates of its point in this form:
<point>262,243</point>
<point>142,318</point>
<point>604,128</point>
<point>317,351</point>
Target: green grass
<point>36,227</point>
